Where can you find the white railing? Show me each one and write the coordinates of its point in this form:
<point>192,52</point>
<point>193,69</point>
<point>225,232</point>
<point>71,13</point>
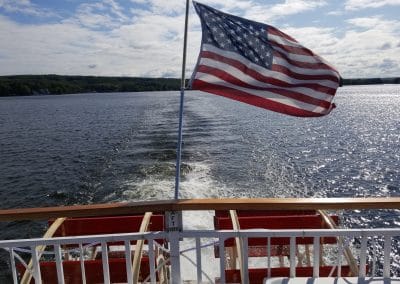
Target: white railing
<point>60,249</point>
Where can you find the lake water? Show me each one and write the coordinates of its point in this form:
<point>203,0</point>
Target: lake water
<point>96,148</point>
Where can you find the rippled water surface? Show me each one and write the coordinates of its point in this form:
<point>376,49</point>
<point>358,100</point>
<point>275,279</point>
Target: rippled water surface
<point>92,148</point>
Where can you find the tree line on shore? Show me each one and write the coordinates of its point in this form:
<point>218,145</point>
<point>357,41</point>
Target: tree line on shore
<point>28,85</point>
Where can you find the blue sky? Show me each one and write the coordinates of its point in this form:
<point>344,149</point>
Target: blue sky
<point>361,38</point>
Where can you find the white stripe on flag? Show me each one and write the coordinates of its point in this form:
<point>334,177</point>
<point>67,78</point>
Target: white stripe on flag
<point>252,81</point>
<point>266,72</point>
<point>262,94</point>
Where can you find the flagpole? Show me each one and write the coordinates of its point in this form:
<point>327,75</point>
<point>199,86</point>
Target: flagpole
<point>179,146</point>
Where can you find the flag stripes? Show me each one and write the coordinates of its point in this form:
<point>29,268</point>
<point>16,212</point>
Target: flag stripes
<point>262,74</point>
<point>205,68</point>
<point>227,77</point>
<point>238,95</point>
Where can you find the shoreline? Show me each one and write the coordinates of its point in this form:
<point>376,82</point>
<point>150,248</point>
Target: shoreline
<point>41,85</point>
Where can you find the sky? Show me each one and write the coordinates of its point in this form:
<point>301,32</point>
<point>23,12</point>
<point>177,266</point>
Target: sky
<point>144,38</point>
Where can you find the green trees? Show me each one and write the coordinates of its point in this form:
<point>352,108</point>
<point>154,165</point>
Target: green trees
<point>24,85</point>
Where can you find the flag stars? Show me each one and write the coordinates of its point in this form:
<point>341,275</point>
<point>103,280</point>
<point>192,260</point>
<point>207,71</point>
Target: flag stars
<point>236,35</point>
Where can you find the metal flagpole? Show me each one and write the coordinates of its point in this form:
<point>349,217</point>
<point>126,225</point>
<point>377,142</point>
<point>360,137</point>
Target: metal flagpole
<point>174,218</point>
<point>179,146</point>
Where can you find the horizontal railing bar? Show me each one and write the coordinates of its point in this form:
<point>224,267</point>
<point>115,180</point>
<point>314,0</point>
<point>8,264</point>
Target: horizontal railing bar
<point>84,239</point>
<point>258,233</point>
<point>222,236</point>
<point>127,208</point>
<point>264,233</point>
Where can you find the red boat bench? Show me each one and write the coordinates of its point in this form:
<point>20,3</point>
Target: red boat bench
<point>93,271</point>
<point>107,225</point>
<point>257,247</point>
<point>257,275</point>
<point>302,221</point>
<point>71,227</point>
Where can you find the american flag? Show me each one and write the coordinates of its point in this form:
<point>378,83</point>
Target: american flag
<point>258,64</point>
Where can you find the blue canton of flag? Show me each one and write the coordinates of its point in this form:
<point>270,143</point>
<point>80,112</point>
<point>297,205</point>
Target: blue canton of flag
<point>258,64</point>
<point>231,33</point>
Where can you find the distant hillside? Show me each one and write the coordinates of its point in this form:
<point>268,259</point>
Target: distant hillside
<point>371,81</point>
<point>27,85</point>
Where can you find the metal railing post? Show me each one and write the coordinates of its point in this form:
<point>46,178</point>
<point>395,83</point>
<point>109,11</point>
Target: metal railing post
<point>36,265</point>
<point>386,257</point>
<point>173,225</point>
<point>175,257</point>
<point>198,260</point>
<point>316,259</point>
<point>13,267</point>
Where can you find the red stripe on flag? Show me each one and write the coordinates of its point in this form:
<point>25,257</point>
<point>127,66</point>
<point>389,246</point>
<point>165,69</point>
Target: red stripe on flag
<point>283,92</point>
<point>304,64</point>
<point>270,80</point>
<point>292,49</point>
<point>287,71</point>
<point>252,99</point>
<point>276,32</point>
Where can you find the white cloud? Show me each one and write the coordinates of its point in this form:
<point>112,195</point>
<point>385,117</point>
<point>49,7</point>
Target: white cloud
<point>149,46</point>
<point>290,7</point>
<point>166,7</point>
<point>42,49</point>
<point>335,13</point>
<point>361,4</point>
<point>139,1</point>
<point>102,14</point>
<point>25,7</point>
<point>369,47</point>
<point>367,23</point>
<point>371,44</point>
<point>103,39</point>
<point>262,12</point>
<point>116,9</point>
